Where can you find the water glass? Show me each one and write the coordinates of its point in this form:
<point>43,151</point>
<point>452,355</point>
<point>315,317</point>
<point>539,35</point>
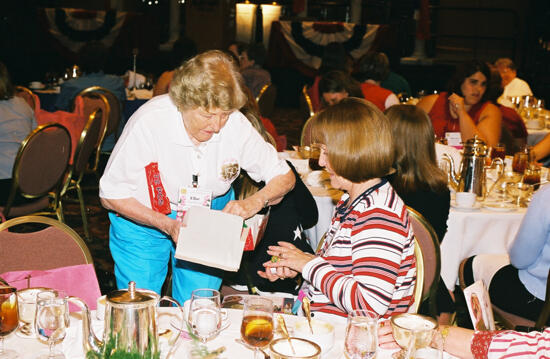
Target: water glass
<point>51,321</point>
<point>361,341</point>
<point>9,319</point>
<point>205,317</point>
<point>27,310</point>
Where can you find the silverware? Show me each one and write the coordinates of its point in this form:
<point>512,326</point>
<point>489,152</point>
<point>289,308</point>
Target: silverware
<point>282,325</point>
<point>307,312</point>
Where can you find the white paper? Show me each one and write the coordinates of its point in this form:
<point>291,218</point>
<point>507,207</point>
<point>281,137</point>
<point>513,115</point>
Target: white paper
<point>479,306</point>
<point>211,238</point>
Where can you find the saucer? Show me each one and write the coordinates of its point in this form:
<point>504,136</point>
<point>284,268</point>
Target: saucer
<point>500,206</point>
<point>475,207</point>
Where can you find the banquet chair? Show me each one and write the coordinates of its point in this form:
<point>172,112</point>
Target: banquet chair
<point>305,136</point>
<point>266,100</point>
<point>513,321</point>
<point>87,144</point>
<point>428,259</point>
<point>92,102</point>
<point>305,103</point>
<point>27,95</point>
<point>39,168</point>
<point>115,109</point>
<point>55,246</point>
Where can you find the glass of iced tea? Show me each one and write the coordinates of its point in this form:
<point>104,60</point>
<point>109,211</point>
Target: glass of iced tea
<point>9,318</point>
<point>257,325</point>
<point>532,175</point>
<point>498,151</point>
<point>520,161</point>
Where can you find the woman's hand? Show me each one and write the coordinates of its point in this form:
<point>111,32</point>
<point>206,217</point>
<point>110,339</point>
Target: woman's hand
<point>385,336</point>
<point>245,208</point>
<point>272,274</point>
<point>289,256</point>
<point>456,105</point>
<point>173,229</point>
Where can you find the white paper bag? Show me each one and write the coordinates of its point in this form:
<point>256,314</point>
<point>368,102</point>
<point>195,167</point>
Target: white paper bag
<point>211,238</point>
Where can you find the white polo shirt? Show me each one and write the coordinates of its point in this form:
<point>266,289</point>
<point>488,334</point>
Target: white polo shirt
<point>516,87</point>
<point>156,133</point>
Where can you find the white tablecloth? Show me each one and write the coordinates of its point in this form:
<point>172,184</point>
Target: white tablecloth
<point>72,345</point>
<point>534,136</point>
<point>475,232</point>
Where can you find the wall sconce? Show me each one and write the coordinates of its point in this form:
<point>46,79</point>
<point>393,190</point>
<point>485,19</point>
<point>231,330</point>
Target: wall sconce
<point>246,21</point>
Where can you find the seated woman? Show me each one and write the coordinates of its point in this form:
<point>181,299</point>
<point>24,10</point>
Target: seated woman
<point>418,180</point>
<point>464,107</point>
<point>519,287</point>
<point>373,68</point>
<point>287,221</point>
<point>16,122</point>
<point>337,85</point>
<point>367,259</point>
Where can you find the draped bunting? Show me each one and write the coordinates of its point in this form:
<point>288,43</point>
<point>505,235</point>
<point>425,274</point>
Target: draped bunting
<point>300,44</point>
<point>73,27</point>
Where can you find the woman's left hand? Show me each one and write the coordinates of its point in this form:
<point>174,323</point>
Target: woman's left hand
<point>289,256</point>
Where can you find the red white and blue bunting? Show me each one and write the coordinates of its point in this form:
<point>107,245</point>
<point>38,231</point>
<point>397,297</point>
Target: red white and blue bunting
<point>307,39</point>
<point>74,27</point>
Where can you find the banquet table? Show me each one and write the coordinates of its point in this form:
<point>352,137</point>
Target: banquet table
<point>535,136</point>
<point>71,346</point>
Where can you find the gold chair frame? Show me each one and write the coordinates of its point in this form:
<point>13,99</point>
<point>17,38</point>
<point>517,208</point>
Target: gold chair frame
<point>29,93</point>
<point>56,206</point>
<point>261,94</point>
<point>54,223</point>
<point>74,184</point>
<point>105,120</point>
<point>101,90</point>
<point>421,292</point>
<point>308,101</point>
<point>302,134</point>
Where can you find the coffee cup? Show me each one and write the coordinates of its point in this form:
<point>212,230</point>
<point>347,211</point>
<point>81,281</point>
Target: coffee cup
<point>465,199</point>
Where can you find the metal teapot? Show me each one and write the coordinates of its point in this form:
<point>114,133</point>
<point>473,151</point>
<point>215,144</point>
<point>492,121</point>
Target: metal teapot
<point>130,323</point>
<point>472,168</point>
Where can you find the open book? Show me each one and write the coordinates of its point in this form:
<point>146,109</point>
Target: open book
<point>479,306</point>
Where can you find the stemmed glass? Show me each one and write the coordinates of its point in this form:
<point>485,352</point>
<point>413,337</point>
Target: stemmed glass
<point>361,339</point>
<point>205,315</point>
<point>412,332</point>
<point>257,324</point>
<point>52,319</point>
<point>9,319</point>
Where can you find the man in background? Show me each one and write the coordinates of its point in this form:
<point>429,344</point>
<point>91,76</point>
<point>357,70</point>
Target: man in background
<point>513,86</point>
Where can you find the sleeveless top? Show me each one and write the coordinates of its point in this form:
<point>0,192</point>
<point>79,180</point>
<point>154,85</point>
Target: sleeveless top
<point>443,122</point>
<point>375,94</point>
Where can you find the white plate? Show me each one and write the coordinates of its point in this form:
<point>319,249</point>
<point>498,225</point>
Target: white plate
<point>500,207</point>
<point>39,87</point>
<point>475,207</point>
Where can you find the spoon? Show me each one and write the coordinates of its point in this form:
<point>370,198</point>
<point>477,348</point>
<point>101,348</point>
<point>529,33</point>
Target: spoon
<point>282,325</point>
<point>307,312</point>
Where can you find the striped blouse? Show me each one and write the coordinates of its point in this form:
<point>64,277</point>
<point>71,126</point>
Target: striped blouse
<point>511,344</point>
<point>367,260</point>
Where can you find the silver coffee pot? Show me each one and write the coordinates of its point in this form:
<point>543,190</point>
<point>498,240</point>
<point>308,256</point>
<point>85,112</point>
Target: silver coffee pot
<point>471,177</point>
<point>130,323</point>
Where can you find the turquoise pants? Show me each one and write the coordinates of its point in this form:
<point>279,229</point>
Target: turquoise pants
<point>141,255</point>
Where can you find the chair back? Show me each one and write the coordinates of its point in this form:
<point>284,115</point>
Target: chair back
<point>115,108</point>
<point>419,287</point>
<point>92,102</point>
<point>428,244</point>
<point>266,100</point>
<point>55,246</point>
<point>89,141</point>
<point>305,136</point>
<point>306,105</point>
<point>27,95</point>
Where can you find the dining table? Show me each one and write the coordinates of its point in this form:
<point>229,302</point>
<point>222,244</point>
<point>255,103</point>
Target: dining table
<point>168,318</point>
<point>534,136</point>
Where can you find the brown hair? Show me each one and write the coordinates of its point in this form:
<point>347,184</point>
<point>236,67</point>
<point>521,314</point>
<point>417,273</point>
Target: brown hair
<point>6,87</point>
<point>414,148</point>
<point>358,139</point>
<point>208,80</point>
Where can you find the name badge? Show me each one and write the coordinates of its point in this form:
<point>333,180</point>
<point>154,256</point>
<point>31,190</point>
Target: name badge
<point>192,196</point>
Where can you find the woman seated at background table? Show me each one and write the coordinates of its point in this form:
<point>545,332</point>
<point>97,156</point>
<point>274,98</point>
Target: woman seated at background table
<point>367,259</point>
<point>464,107</point>
<point>16,122</point>
<point>373,68</point>
<point>418,180</point>
<point>335,86</point>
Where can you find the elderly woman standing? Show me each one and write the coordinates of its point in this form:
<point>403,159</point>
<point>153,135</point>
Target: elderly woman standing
<point>367,260</point>
<point>193,138</point>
